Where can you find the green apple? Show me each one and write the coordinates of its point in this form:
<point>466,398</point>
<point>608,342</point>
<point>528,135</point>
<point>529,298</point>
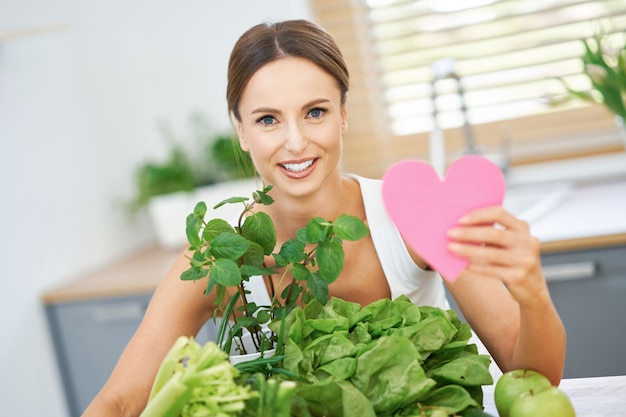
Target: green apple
<point>512,384</point>
<point>551,402</point>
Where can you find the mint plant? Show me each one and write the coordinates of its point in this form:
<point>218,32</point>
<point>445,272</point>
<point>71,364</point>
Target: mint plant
<point>230,254</point>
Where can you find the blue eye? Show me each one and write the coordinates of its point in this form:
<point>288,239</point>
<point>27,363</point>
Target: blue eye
<point>316,113</point>
<point>266,120</point>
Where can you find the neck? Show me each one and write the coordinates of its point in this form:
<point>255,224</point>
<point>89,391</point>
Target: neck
<point>291,213</point>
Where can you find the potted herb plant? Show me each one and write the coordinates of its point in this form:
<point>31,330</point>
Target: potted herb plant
<point>230,255</point>
<point>604,63</point>
<point>210,167</point>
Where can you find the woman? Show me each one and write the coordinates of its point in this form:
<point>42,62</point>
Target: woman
<point>287,92</point>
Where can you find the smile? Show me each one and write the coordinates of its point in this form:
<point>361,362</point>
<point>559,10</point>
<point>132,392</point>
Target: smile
<point>298,167</point>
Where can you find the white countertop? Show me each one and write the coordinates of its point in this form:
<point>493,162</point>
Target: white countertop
<point>581,198</point>
<point>591,397</point>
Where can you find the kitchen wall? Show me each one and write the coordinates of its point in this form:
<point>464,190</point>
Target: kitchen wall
<point>78,111</point>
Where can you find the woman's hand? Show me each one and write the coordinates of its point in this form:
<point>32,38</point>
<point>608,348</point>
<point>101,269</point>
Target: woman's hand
<point>500,246</point>
<point>520,327</point>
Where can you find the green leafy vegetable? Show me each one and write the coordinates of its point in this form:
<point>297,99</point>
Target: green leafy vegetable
<point>389,358</point>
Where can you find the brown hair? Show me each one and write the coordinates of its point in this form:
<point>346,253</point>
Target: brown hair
<point>267,42</point>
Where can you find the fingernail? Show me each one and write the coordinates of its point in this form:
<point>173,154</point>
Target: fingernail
<point>454,247</point>
<point>465,219</point>
<point>454,232</point>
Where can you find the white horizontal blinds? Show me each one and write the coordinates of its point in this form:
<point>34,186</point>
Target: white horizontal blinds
<point>506,54</point>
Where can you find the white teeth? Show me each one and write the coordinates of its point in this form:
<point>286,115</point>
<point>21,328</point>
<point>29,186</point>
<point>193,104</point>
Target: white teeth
<point>298,167</point>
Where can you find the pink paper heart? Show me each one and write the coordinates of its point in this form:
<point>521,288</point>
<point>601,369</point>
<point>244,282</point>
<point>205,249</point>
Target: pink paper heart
<point>424,207</point>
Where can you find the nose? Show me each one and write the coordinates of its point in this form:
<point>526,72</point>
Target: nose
<point>296,140</point>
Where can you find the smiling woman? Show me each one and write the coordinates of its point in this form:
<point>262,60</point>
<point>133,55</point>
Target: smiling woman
<point>287,95</point>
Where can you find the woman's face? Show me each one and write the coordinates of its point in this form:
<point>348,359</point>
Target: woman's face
<point>292,123</point>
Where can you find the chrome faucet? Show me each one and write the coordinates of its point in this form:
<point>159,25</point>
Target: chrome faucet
<point>442,69</point>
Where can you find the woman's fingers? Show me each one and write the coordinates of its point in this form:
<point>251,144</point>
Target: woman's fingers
<point>494,215</point>
<point>497,245</point>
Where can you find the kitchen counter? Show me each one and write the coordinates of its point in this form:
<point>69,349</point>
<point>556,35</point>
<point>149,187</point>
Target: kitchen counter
<point>591,397</point>
<point>139,274</point>
<point>576,203</point>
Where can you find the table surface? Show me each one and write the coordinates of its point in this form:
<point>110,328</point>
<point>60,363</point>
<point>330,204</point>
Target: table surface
<point>592,397</point>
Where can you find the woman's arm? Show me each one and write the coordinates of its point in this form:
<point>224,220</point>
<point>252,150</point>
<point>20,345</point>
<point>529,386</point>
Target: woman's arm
<point>177,308</point>
<point>503,294</point>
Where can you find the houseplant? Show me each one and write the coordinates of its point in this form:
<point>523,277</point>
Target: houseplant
<point>604,63</point>
<point>208,167</point>
<point>207,158</point>
<point>231,255</point>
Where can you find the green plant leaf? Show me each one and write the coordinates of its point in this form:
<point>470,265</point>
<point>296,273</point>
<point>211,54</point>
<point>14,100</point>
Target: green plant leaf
<point>229,246</point>
<point>300,272</point>
<point>192,229</point>
<point>254,255</point>
<point>231,200</point>
<point>225,272</point>
<point>262,197</point>
<point>263,316</point>
<point>200,209</point>
<point>246,321</point>
<point>216,227</point>
<point>318,287</point>
<point>193,274</point>
<point>350,228</point>
<point>260,228</point>
<point>252,270</point>
<point>301,235</point>
<point>330,259</point>
<point>293,250</point>
<point>316,230</point>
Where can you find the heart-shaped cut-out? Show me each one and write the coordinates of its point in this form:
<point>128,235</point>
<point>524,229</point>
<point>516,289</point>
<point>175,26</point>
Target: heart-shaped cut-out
<point>424,207</point>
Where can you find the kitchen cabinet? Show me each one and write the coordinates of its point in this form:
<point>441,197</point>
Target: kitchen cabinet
<point>92,319</point>
<point>89,337</point>
<point>588,288</point>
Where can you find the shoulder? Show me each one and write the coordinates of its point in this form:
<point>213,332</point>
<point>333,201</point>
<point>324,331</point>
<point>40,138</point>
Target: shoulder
<point>371,188</point>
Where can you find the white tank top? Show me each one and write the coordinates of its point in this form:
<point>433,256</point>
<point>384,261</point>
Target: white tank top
<point>403,275</point>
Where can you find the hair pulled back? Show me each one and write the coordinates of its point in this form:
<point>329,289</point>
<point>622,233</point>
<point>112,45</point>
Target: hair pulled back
<point>267,42</point>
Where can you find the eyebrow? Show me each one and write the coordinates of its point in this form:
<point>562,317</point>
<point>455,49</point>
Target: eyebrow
<point>306,106</point>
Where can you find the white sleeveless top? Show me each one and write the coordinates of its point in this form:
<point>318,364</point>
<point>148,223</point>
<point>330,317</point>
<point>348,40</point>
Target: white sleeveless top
<point>403,275</point>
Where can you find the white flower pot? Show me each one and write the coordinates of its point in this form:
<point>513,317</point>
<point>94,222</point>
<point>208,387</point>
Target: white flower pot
<point>236,357</point>
<point>168,213</point>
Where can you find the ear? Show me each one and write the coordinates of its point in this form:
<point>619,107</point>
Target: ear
<point>242,139</point>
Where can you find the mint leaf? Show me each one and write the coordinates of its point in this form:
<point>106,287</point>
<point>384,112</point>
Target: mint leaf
<point>229,245</point>
<point>260,228</point>
<point>216,227</point>
<point>330,259</point>
<point>350,228</point>
<point>225,272</point>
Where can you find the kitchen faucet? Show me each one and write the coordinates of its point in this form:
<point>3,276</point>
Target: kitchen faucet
<point>442,69</point>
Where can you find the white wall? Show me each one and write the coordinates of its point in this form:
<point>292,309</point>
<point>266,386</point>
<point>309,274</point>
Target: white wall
<point>78,112</point>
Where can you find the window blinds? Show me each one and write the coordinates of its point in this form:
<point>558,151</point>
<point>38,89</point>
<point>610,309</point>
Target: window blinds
<point>506,54</point>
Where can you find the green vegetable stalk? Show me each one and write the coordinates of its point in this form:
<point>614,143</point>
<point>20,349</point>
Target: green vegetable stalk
<point>196,380</point>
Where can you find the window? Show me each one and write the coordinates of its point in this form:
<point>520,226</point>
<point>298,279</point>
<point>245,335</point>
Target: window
<point>505,54</point>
